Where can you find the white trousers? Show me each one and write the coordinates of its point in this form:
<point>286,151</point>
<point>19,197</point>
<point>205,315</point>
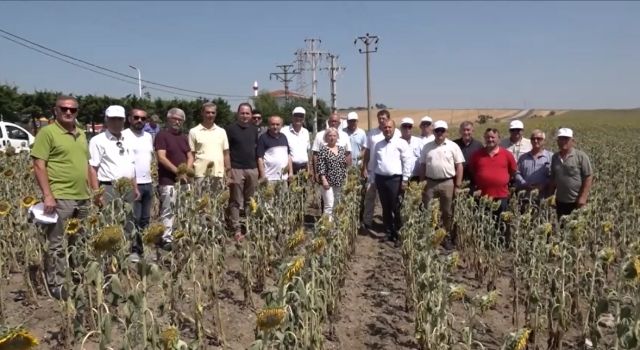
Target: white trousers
<point>331,198</point>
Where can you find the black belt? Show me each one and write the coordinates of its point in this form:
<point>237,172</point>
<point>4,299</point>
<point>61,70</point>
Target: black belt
<point>106,183</point>
<point>440,180</point>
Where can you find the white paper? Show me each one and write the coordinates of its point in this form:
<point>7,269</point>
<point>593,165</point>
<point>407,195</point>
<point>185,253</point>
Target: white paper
<point>39,215</point>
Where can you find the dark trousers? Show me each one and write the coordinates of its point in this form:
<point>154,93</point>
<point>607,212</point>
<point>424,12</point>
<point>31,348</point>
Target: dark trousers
<point>298,167</point>
<point>563,209</point>
<point>389,191</point>
<point>142,207</point>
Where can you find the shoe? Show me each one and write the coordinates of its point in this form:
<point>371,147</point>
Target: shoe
<point>134,258</point>
<point>59,293</point>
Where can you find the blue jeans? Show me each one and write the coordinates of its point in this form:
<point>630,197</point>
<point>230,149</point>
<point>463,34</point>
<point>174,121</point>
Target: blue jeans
<point>142,207</point>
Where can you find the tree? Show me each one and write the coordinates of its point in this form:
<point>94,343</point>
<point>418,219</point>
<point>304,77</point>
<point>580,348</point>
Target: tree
<point>268,106</point>
<point>483,118</point>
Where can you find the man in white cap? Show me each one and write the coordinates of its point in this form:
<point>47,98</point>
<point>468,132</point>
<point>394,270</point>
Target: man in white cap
<point>299,141</point>
<point>357,137</point>
<point>368,166</point>
<point>571,174</point>
<point>515,143</point>
<point>441,165</point>
<point>426,130</point>
<point>415,146</point>
<point>112,158</point>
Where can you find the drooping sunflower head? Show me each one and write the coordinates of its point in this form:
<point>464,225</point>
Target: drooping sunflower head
<point>293,269</point>
<point>72,226</point>
<point>521,339</point>
<point>456,292</point>
<point>270,318</point>
<point>223,198</point>
<point>153,233</point>
<point>18,339</point>
<point>606,255</point>
<point>169,338</point>
<point>253,206</point>
<point>297,239</point>
<point>607,227</point>
<point>28,201</point>
<point>182,169</point>
<point>202,203</point>
<point>108,239</point>
<point>8,173</point>
<point>438,237</point>
<point>318,245</point>
<point>546,228</point>
<point>5,208</point>
<point>506,216</point>
<point>123,185</point>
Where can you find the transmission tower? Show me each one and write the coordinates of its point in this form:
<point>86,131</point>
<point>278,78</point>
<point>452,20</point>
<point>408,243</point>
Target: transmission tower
<point>285,77</point>
<point>333,74</point>
<point>368,40</point>
<point>312,57</point>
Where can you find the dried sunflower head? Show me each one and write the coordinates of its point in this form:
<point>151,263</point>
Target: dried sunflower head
<point>253,206</point>
<point>72,226</point>
<point>297,239</point>
<point>506,216</point>
<point>17,339</point>
<point>520,339</point>
<point>108,239</point>
<point>456,293</point>
<point>28,201</point>
<point>123,185</point>
<point>318,245</point>
<point>438,236</point>
<point>606,255</point>
<point>153,233</point>
<point>5,208</point>
<point>169,338</point>
<point>293,269</point>
<point>8,173</point>
<point>182,169</point>
<point>202,203</point>
<point>270,318</point>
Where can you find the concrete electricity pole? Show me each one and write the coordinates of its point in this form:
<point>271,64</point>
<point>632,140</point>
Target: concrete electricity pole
<point>333,73</point>
<point>368,40</point>
<point>285,77</point>
<point>311,54</point>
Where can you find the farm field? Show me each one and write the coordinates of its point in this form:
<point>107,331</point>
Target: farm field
<point>300,281</point>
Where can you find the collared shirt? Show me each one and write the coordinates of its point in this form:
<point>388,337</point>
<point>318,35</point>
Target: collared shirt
<point>534,170</point>
<point>66,155</point>
<point>143,153</point>
<point>176,147</point>
<point>373,137</point>
<point>208,145</point>
<point>274,150</point>
<point>415,147</point>
<point>426,139</point>
<point>440,160</point>
<point>299,143</point>
<point>517,149</point>
<point>392,158</point>
<point>569,173</point>
<point>343,140</point>
<point>491,173</point>
<point>113,161</point>
<point>358,139</point>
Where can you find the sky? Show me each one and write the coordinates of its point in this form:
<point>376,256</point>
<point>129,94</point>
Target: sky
<point>554,55</point>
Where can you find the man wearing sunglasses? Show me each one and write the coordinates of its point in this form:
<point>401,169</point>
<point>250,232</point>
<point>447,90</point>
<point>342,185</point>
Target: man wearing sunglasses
<point>60,163</point>
<point>256,119</point>
<point>515,143</point>
<point>441,164</point>
<point>112,159</point>
<point>142,147</point>
<point>426,130</point>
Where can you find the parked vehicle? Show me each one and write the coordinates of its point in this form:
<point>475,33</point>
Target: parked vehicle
<point>16,136</point>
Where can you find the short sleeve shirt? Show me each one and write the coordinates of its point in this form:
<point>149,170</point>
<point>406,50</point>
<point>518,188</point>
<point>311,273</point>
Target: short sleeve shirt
<point>299,142</point>
<point>440,159</point>
<point>208,145</point>
<point>274,150</point>
<point>176,147</point>
<point>67,160</point>
<point>517,149</point>
<point>358,138</point>
<point>343,140</point>
<point>569,173</point>
<point>112,156</point>
<point>491,174</point>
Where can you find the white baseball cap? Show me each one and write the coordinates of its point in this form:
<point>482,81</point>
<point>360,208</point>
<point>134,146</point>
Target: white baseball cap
<point>406,120</point>
<point>298,110</point>
<point>114,111</point>
<point>440,124</point>
<point>352,116</point>
<point>516,124</point>
<point>565,132</point>
<point>426,118</point>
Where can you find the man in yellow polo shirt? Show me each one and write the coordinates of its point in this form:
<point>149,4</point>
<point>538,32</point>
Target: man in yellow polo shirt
<point>61,164</point>
<point>210,148</point>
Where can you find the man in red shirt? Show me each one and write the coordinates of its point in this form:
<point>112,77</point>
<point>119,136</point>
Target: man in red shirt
<point>492,168</point>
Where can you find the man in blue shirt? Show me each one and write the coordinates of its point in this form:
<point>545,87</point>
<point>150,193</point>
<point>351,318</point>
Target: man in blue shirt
<point>357,137</point>
<point>152,127</point>
<point>534,167</point>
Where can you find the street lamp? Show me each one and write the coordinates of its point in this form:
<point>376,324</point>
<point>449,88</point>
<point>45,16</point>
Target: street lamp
<point>139,80</point>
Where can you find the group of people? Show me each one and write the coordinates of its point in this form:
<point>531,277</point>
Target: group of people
<point>71,170</point>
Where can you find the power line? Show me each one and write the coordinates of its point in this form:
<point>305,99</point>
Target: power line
<point>116,72</point>
<point>284,77</point>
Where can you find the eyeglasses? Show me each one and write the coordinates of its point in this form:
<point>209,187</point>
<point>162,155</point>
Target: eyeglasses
<point>119,144</point>
<point>422,125</point>
<point>407,126</point>
<point>137,117</point>
<point>256,118</point>
<point>68,109</point>
<point>439,130</point>
<point>537,138</point>
<point>515,130</point>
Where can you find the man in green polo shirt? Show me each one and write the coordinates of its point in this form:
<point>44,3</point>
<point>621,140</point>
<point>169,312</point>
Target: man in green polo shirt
<point>61,164</point>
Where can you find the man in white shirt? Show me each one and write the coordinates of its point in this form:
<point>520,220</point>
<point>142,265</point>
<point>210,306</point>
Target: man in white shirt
<point>415,146</point>
<point>210,149</point>
<point>371,194</point>
<point>357,137</point>
<point>441,164</point>
<point>343,140</point>
<point>426,130</point>
<point>391,166</point>
<point>142,145</point>
<point>299,141</point>
<point>111,159</point>
<point>272,151</point>
<point>515,143</point>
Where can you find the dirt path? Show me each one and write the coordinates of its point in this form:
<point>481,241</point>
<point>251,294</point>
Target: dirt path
<point>372,314</point>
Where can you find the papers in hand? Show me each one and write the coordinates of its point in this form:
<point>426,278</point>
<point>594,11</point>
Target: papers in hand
<point>38,214</point>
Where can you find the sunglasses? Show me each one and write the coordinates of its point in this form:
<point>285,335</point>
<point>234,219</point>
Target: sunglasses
<point>119,144</point>
<point>407,126</point>
<point>256,118</point>
<point>537,138</point>
<point>515,130</point>
<point>68,109</point>
<point>137,117</point>
<point>439,130</point>
<point>422,125</point>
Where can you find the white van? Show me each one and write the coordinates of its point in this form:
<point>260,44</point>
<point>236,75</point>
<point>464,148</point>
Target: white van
<point>16,136</point>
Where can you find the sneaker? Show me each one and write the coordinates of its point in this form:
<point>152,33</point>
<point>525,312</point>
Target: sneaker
<point>59,293</point>
<point>134,258</point>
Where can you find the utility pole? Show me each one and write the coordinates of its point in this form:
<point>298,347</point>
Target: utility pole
<point>285,78</point>
<point>311,54</point>
<point>333,73</point>
<point>139,80</point>
<point>368,40</point>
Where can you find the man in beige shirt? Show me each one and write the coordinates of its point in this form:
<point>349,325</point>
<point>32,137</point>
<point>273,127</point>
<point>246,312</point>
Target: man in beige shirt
<point>210,148</point>
<point>441,164</point>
